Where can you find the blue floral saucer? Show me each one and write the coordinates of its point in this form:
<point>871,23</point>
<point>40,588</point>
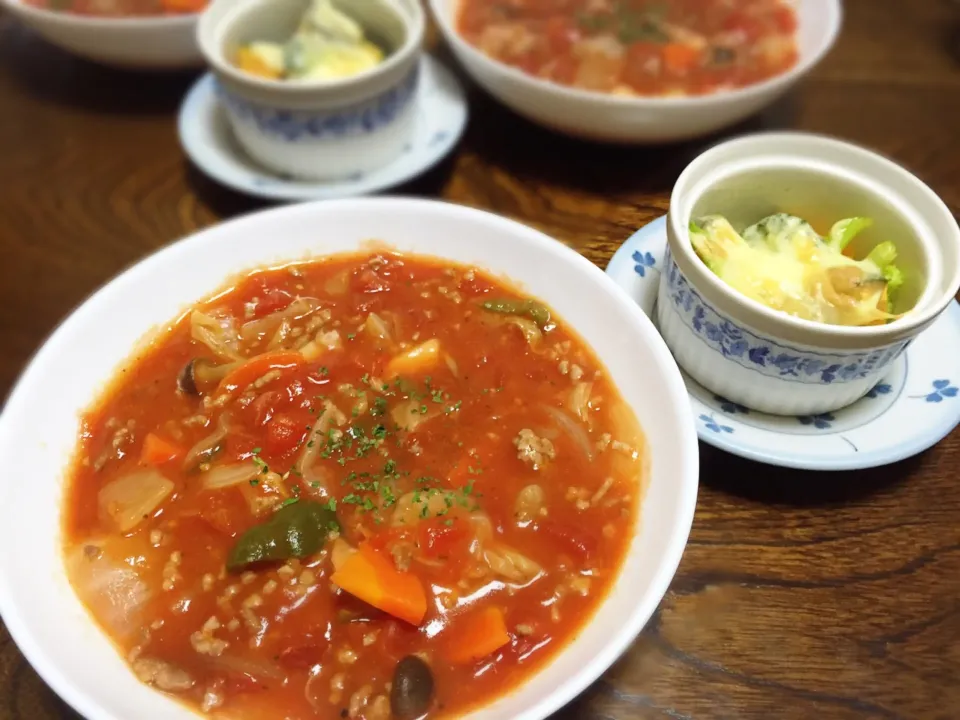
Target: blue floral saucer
<point>208,141</point>
<point>915,406</point>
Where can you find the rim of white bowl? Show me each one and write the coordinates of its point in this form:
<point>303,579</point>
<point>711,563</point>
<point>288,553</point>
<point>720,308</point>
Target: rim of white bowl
<point>688,452</point>
<point>66,18</point>
<point>447,25</point>
<point>883,334</point>
<point>210,41</point>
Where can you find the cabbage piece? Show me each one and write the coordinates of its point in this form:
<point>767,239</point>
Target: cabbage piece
<point>883,256</point>
<point>111,588</point>
<point>323,18</point>
<point>218,332</point>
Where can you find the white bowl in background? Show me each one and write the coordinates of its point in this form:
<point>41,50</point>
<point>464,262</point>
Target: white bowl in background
<point>40,424</point>
<point>606,117</point>
<point>162,42</point>
<point>317,129</point>
<point>768,360</point>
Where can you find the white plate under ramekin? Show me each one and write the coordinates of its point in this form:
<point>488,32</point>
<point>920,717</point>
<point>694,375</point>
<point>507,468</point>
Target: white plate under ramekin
<point>206,138</point>
<point>40,424</point>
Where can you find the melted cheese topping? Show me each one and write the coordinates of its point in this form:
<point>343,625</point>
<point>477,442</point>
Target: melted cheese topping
<point>784,264</point>
<point>327,45</point>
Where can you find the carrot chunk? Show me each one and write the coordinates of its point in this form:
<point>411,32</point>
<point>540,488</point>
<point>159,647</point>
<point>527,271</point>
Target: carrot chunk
<point>248,61</point>
<point>258,366</point>
<point>157,450</point>
<point>477,635</point>
<point>679,57</point>
<point>371,577</point>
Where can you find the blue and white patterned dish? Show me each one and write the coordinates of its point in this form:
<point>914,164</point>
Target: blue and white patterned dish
<point>206,137</point>
<point>915,405</point>
<point>760,354</point>
<point>292,126</point>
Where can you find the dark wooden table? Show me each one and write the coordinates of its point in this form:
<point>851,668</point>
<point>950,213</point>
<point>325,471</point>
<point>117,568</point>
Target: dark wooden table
<point>800,595</point>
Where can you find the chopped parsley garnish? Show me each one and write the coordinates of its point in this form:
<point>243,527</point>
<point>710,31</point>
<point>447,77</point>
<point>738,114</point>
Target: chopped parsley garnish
<point>259,461</point>
<point>379,406</point>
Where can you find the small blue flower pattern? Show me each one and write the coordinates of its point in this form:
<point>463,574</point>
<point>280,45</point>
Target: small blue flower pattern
<point>711,424</point>
<point>878,390</point>
<point>299,125</point>
<point>730,407</point>
<point>644,261</point>
<point>821,421</point>
<point>942,389</point>
<point>761,354</point>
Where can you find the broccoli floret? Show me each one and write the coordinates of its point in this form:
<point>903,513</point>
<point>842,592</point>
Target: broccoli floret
<point>893,276</point>
<point>779,230</point>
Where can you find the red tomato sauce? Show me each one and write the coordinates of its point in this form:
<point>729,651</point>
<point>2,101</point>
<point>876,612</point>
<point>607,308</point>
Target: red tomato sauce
<point>336,471</point>
<point>637,47</point>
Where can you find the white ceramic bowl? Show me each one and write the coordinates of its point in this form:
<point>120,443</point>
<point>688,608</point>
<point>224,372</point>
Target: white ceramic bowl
<point>317,129</point>
<point>599,116</point>
<point>39,426</point>
<point>770,361</point>
<point>160,43</point>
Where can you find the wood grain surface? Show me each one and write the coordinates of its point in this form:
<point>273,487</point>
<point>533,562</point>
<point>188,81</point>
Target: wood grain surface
<point>800,595</point>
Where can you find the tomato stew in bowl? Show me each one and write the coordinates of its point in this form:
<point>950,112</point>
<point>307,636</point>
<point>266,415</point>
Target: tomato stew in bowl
<point>121,8</point>
<point>637,47</point>
<point>324,493</point>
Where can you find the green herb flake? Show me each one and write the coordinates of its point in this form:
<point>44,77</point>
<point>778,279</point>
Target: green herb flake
<point>379,407</point>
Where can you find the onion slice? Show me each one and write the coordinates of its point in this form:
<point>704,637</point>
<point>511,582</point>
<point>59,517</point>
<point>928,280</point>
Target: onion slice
<point>129,499</point>
<point>529,328</point>
<point>206,448</point>
<point>316,479</point>
<point>298,309</point>
<point>226,476</point>
<point>570,426</point>
<point>579,401</point>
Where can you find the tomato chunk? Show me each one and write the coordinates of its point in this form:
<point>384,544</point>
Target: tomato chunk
<point>284,433</point>
<point>443,538</point>
<point>225,511</point>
